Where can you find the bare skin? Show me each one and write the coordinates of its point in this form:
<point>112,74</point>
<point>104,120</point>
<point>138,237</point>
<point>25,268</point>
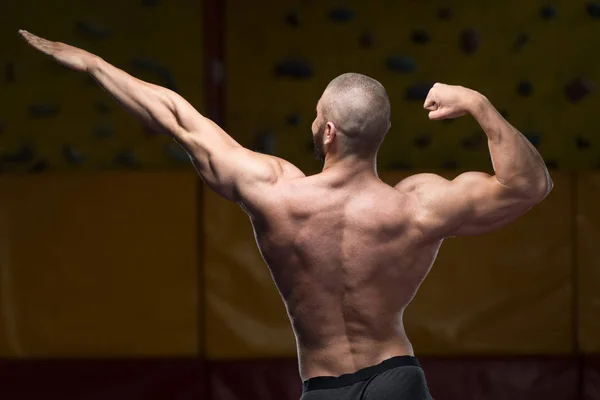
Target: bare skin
<point>347,251</point>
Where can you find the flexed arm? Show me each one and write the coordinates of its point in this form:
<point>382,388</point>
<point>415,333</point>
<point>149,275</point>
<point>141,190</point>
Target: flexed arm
<point>476,202</point>
<point>231,170</point>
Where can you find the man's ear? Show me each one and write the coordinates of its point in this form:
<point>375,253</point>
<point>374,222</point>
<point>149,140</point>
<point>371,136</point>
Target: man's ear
<point>330,133</point>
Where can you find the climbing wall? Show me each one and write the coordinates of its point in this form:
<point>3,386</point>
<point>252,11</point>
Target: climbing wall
<point>55,119</point>
<point>536,61</point>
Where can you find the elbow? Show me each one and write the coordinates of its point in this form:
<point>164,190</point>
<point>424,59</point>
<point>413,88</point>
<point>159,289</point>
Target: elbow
<point>540,190</point>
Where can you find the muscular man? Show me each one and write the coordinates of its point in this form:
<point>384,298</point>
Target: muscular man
<point>347,252</point>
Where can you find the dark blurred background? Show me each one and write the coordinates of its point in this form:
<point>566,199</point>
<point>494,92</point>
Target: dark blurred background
<point>123,277</point>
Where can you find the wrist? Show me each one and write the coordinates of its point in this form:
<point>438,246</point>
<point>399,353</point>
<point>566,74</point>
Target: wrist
<point>93,64</point>
<point>475,103</point>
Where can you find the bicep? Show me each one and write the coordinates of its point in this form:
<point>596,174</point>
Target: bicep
<point>471,204</point>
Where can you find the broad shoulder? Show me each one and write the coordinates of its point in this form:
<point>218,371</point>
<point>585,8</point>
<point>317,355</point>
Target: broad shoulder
<point>416,182</point>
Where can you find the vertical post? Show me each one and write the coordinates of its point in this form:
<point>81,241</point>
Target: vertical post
<point>213,15</point>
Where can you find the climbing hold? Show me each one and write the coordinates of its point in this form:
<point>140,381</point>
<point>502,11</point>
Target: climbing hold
<point>126,159</point>
<point>525,88</point>
<point>293,119</point>
<point>578,89</point>
<point>469,41</point>
<point>400,63</point>
<point>292,19</point>
<point>366,40</point>
<point>93,30</point>
<point>176,153</point>
<point>548,12</point>
<point>582,143</point>
<point>593,9</point>
<point>265,142</point>
<point>161,71</point>
<point>291,68</point>
<point>43,110</point>
<point>103,131</point>
<point>418,92</point>
<point>25,154</point>
<point>474,142</point>
<point>420,36</point>
<point>534,138</point>
<point>521,41</point>
<point>341,14</point>
<point>9,72</point>
<point>72,155</point>
<point>422,140</point>
<point>445,13</point>
<point>39,166</point>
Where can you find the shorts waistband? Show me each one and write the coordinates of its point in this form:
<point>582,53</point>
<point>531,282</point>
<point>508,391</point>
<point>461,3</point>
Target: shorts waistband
<point>332,382</point>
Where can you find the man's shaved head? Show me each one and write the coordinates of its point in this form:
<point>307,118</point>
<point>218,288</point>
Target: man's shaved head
<point>359,108</point>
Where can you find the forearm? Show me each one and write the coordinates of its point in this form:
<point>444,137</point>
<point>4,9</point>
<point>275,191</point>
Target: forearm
<point>157,107</point>
<point>516,162</point>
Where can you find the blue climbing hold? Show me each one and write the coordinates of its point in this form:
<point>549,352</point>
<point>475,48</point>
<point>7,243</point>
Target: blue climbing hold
<point>341,14</point>
<point>418,92</point>
<point>400,63</point>
<point>525,88</point>
<point>293,119</point>
<point>72,155</point>
<point>161,71</point>
<point>23,155</point>
<point>126,159</point>
<point>294,68</point>
<point>420,36</point>
<point>548,12</point>
<point>593,9</point>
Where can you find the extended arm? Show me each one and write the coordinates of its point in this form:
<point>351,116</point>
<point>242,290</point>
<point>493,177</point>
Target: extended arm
<point>475,202</point>
<point>231,170</point>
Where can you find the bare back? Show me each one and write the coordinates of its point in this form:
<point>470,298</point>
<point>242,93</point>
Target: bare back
<point>347,258</point>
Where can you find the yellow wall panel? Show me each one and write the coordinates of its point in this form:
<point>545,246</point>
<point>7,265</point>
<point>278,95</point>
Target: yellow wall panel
<point>505,292</point>
<point>98,265</point>
<point>245,317</point>
<point>588,262</point>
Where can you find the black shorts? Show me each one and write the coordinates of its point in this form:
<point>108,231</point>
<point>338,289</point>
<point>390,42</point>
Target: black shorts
<point>397,378</point>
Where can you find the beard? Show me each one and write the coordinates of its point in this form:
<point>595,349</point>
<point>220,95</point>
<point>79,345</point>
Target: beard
<point>318,146</point>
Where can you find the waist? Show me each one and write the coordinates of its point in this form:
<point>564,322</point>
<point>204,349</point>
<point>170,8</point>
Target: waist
<point>363,374</point>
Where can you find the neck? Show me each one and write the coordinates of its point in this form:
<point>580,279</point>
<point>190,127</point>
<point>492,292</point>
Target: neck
<point>351,165</point>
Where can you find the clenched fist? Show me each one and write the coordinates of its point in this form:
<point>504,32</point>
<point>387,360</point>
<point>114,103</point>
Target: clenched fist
<point>448,102</point>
